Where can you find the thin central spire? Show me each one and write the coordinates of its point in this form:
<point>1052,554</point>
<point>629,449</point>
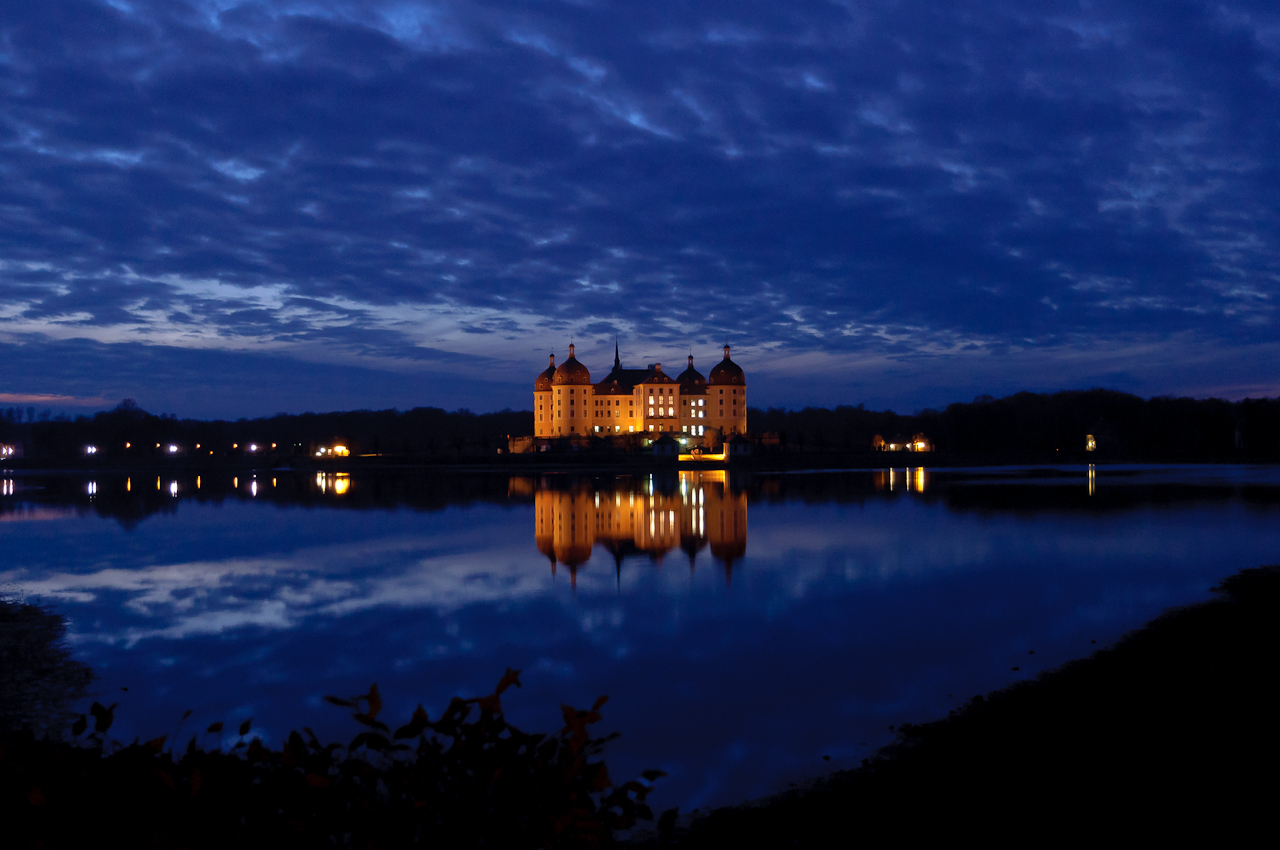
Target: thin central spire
<point>617,361</point>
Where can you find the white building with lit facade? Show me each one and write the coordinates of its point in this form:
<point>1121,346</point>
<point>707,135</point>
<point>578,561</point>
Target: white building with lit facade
<point>632,401</point>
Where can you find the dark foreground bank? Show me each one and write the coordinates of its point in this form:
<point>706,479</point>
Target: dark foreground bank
<point>1170,733</point>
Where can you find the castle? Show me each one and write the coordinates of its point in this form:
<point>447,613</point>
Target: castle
<point>631,401</point>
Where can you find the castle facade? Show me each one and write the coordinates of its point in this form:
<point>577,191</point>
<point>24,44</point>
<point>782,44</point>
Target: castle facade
<point>632,401</point>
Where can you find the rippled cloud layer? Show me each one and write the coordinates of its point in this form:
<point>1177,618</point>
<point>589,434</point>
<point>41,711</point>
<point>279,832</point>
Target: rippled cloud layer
<point>894,203</point>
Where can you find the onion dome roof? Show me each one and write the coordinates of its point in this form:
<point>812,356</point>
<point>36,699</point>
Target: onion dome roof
<point>691,378</point>
<point>571,371</point>
<point>727,372</point>
<point>543,381</point>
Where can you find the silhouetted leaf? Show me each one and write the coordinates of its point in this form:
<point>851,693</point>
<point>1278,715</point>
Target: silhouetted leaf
<point>416,725</point>
<point>156,744</point>
<point>599,703</point>
<point>369,721</point>
<point>80,725</point>
<point>338,701</point>
<point>245,726</point>
<point>103,716</point>
<point>214,727</point>
<point>375,700</point>
<point>372,740</point>
<point>652,774</point>
<point>509,678</point>
<point>188,713</point>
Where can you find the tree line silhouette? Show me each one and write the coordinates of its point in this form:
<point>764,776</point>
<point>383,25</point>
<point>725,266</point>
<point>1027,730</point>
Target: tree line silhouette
<point>1023,426</point>
<point>1043,425</point>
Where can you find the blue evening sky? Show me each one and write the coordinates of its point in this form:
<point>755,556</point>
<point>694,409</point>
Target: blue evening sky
<point>236,208</point>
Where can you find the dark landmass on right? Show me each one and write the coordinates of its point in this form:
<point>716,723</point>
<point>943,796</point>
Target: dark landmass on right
<point>1170,734</point>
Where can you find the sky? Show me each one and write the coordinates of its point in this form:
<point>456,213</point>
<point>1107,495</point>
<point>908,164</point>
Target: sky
<point>226,208</point>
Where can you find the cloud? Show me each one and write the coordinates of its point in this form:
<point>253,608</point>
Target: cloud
<point>47,398</point>
<point>354,182</point>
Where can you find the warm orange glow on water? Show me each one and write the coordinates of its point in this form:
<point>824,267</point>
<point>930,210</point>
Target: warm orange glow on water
<point>702,512</point>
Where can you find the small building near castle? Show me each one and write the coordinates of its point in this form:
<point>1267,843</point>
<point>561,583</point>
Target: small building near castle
<point>633,401</point>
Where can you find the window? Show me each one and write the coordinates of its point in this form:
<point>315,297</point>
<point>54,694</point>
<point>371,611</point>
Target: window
<point>722,392</point>
<point>570,392</point>
<point>701,402</point>
<point>651,411</point>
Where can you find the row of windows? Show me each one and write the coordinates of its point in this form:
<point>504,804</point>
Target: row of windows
<point>669,391</point>
<point>695,430</point>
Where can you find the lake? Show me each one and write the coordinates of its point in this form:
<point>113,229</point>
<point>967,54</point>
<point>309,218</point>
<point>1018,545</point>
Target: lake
<point>744,626</point>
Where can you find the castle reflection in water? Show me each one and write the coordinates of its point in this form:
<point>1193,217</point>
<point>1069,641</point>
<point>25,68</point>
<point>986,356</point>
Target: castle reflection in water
<point>694,512</point>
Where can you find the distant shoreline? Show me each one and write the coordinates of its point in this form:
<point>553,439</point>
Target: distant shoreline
<point>592,462</point>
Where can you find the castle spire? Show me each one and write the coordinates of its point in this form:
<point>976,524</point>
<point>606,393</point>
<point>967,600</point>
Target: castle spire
<point>726,349</point>
<point>571,350</point>
<point>617,361</point>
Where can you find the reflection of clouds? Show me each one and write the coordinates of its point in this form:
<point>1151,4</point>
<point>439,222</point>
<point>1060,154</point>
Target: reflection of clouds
<point>798,553</point>
<point>28,514</point>
<point>210,597</point>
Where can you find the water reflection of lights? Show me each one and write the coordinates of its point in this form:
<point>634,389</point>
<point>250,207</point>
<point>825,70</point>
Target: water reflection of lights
<point>91,488</point>
<point>913,478</point>
<point>128,485</point>
<point>6,487</point>
<point>340,483</point>
<point>1091,479</point>
<point>173,488</point>
<point>701,511</point>
<point>253,489</point>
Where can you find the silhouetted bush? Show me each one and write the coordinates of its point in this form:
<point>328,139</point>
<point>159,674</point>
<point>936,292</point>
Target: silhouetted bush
<point>466,779</point>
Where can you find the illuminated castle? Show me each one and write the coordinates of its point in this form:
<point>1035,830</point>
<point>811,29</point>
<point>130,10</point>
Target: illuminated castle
<point>629,401</point>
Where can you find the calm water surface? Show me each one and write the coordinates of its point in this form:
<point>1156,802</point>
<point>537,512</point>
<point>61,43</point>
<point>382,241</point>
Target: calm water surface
<point>743,626</point>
